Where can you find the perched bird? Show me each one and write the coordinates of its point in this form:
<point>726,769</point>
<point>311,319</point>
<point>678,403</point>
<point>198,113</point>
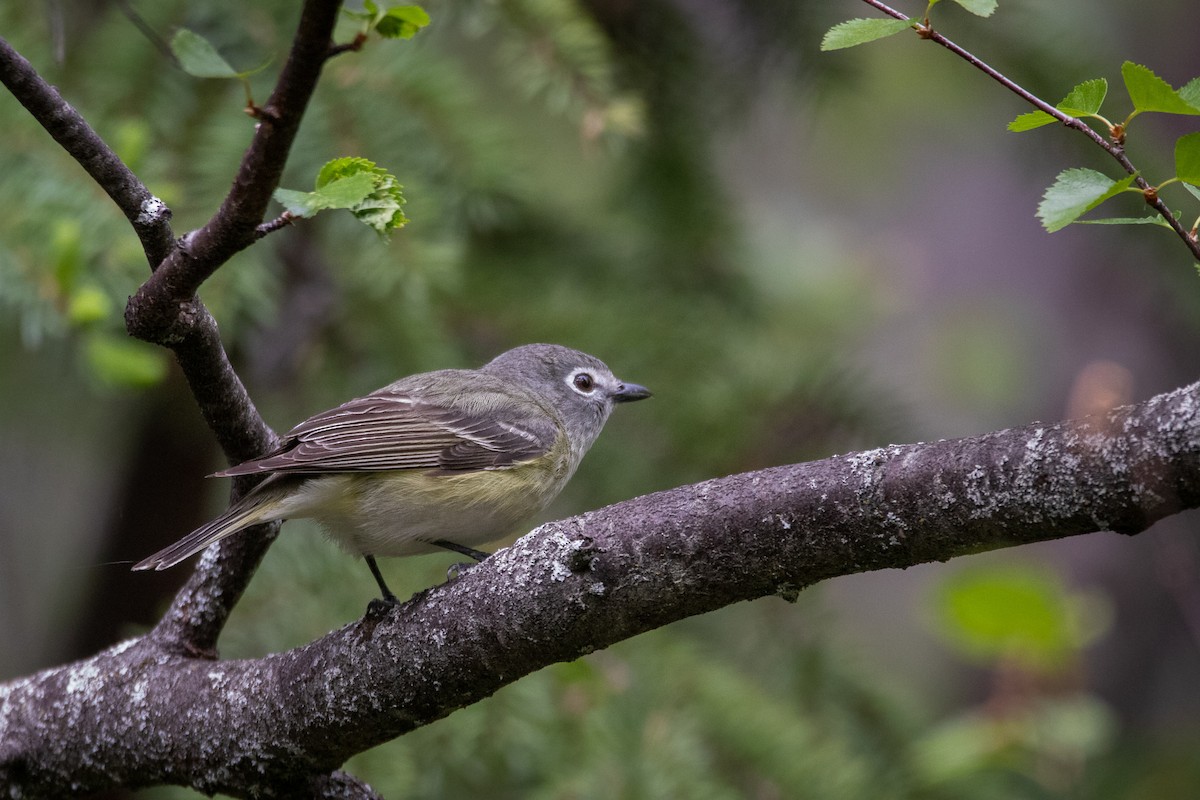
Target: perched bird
<point>447,459</point>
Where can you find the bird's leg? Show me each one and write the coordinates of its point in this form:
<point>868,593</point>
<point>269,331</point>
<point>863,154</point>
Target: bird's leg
<point>478,555</point>
<point>455,570</point>
<point>388,598</point>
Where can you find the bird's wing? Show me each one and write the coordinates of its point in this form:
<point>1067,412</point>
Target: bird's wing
<point>390,431</point>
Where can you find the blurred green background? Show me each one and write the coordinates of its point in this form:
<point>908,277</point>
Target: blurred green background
<point>802,254</point>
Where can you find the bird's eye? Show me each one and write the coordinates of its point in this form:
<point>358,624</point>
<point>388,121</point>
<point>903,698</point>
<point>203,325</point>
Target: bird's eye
<point>584,382</point>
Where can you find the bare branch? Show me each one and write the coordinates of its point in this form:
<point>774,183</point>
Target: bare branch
<point>141,715</point>
<point>280,222</point>
<point>150,217</point>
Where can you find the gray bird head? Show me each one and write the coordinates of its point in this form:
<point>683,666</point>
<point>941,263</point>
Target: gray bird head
<point>581,388</point>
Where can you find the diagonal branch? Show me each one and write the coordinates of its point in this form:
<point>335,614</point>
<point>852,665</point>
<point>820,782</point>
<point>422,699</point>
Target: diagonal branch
<point>166,311</point>
<point>1114,149</point>
<point>150,217</point>
<point>582,584</point>
<point>153,312</point>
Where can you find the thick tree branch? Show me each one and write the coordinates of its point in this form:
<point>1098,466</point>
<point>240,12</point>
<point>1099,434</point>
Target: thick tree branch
<point>150,217</point>
<point>137,715</point>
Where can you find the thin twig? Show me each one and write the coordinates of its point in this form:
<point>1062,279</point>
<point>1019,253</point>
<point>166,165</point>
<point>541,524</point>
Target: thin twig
<point>352,46</point>
<point>282,221</point>
<point>139,22</point>
<point>1117,151</point>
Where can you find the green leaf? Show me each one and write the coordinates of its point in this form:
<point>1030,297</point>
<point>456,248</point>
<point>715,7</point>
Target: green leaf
<point>1151,93</point>
<point>343,168</point>
<point>402,22</point>
<point>88,305</point>
<point>1084,100</point>
<point>344,192</point>
<point>860,31</point>
<point>66,250</point>
<point>118,361</point>
<point>982,8</point>
<point>1190,92</point>
<point>996,613</point>
<point>370,193</point>
<point>1192,190</point>
<point>1127,221</point>
<point>1187,158</point>
<point>198,57</point>
<point>1075,192</point>
<point>1030,120</point>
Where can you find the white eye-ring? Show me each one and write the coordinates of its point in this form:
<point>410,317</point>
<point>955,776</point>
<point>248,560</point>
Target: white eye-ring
<point>583,382</point>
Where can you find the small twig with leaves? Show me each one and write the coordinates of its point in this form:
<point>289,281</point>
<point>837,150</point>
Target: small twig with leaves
<point>1075,191</point>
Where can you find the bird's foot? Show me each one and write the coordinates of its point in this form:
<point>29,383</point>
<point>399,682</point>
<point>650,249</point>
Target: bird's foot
<point>380,606</point>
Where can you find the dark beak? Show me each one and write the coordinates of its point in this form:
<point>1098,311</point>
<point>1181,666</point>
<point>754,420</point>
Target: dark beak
<point>628,392</point>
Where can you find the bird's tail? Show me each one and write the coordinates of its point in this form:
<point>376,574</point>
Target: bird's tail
<point>252,509</point>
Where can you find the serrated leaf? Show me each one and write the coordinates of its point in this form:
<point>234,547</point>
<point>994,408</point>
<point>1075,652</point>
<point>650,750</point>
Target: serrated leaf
<point>1190,92</point>
<point>1187,158</point>
<point>981,8</point>
<point>1126,221</point>
<point>1085,98</point>
<point>1075,192</point>
<point>197,57</point>
<point>344,167</point>
<point>349,191</point>
<point>1151,93</point>
<point>345,192</point>
<point>860,31</point>
<point>402,22</point>
<point>1030,120</point>
<point>369,192</point>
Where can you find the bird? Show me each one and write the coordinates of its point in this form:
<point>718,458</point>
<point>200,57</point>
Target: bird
<point>443,460</point>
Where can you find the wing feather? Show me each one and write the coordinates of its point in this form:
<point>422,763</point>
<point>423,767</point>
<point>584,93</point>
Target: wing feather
<point>391,431</point>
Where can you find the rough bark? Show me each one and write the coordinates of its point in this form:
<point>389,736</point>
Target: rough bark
<point>143,713</point>
<point>161,708</point>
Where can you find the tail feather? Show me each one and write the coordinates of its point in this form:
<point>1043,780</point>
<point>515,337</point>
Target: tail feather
<point>251,510</point>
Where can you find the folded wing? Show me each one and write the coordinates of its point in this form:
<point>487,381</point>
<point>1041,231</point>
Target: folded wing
<point>392,431</point>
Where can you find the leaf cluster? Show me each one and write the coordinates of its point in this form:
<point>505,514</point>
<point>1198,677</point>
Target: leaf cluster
<point>369,192</point>
<point>1077,191</point>
<point>390,22</point>
<point>854,32</point>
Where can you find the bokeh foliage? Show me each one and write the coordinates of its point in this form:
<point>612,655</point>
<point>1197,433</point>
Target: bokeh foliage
<point>565,178</point>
